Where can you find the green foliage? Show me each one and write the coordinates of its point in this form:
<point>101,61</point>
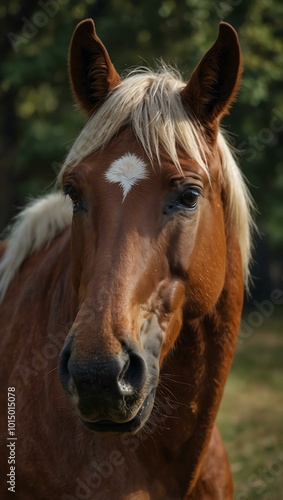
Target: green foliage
<point>250,417</point>
<point>37,99</point>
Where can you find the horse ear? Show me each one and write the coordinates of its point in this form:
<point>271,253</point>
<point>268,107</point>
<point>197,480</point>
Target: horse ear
<point>92,74</point>
<point>216,79</point>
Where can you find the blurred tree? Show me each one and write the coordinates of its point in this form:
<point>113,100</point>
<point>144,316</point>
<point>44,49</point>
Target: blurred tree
<point>38,122</point>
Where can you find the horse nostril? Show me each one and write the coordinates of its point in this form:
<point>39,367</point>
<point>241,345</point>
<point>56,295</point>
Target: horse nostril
<point>119,376</point>
<point>133,374</point>
<point>63,361</point>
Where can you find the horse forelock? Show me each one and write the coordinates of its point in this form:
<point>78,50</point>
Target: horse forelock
<point>150,103</point>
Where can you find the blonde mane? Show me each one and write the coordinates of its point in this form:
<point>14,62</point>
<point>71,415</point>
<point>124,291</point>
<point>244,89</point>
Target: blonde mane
<point>150,103</point>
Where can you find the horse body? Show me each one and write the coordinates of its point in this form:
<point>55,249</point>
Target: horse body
<point>141,296</point>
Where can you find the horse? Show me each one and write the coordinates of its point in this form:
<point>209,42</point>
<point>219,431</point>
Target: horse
<point>130,277</point>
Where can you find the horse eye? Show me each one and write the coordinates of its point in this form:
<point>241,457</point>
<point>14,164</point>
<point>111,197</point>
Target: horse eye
<point>75,197</point>
<point>189,199</point>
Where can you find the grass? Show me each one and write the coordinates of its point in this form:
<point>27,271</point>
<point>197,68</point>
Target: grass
<point>251,414</point>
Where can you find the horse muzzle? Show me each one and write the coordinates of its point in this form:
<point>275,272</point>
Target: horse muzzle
<point>112,394</point>
<point>131,426</point>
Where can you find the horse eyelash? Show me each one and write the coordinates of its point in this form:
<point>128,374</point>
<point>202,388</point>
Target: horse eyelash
<point>70,191</point>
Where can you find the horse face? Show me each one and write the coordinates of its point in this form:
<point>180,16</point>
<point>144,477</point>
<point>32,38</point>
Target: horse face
<point>148,242</point>
<point>140,240</point>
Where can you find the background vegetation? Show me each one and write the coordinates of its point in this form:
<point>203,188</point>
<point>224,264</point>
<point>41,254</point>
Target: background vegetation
<point>38,124</point>
<point>250,417</point>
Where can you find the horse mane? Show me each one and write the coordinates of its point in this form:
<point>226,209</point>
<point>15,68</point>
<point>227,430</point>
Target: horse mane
<point>34,227</point>
<point>150,102</point>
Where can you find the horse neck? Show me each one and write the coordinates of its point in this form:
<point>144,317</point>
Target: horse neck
<point>44,282</point>
<point>194,374</point>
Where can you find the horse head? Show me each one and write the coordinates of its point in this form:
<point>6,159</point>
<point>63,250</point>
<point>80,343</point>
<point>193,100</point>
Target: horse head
<point>149,227</point>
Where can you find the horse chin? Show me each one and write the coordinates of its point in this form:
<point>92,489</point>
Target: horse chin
<point>131,426</point>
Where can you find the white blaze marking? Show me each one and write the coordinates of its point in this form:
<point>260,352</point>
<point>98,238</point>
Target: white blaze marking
<point>127,171</point>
